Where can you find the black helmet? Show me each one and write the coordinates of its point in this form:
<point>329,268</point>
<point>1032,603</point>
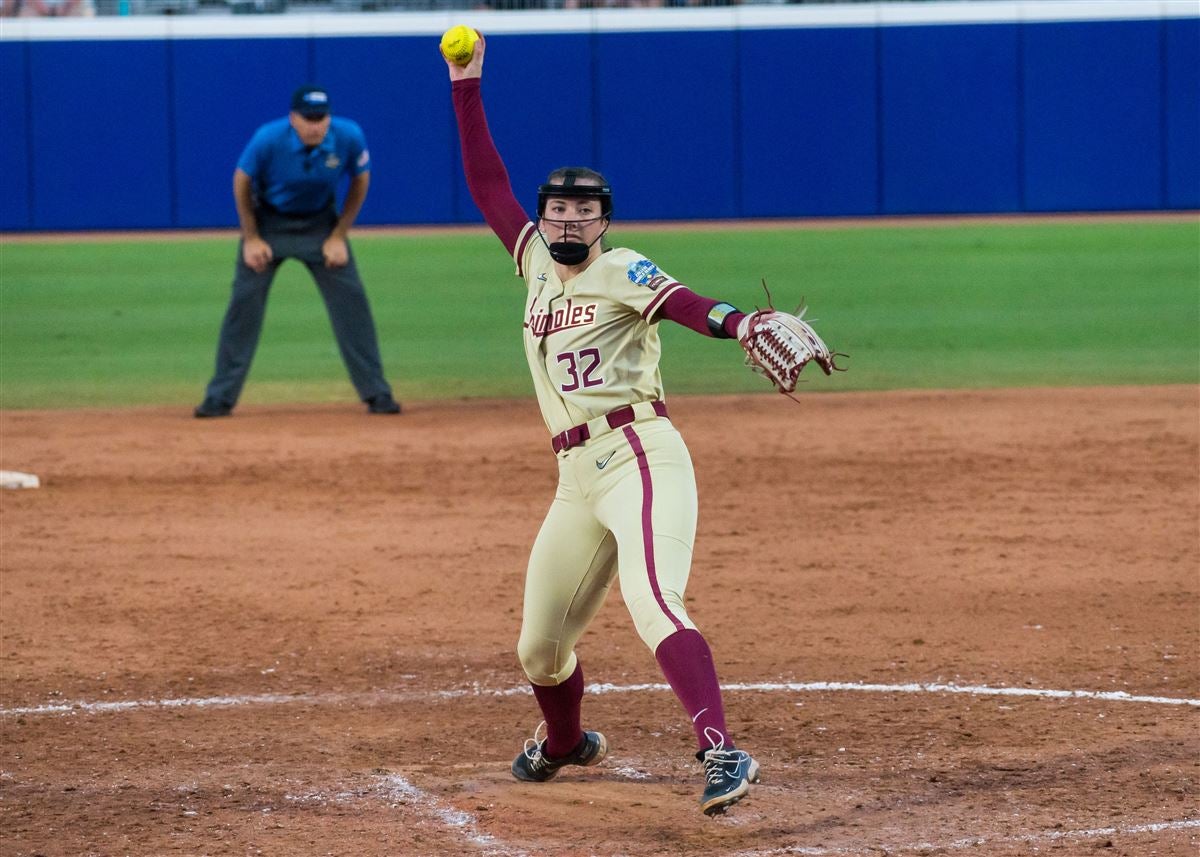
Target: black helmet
<point>563,182</point>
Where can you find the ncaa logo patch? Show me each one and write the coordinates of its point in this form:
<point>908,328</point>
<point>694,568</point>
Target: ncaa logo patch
<point>641,272</point>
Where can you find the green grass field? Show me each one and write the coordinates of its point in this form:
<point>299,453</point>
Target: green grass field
<point>975,305</point>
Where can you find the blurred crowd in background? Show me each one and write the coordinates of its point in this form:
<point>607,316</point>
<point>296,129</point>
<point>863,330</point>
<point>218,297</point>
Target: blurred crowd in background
<point>92,8</point>
<point>47,8</point>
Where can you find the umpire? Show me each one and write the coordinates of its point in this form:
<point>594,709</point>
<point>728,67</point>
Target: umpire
<point>284,187</point>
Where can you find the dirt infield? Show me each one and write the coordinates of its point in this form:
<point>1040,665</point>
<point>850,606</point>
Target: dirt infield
<point>292,632</point>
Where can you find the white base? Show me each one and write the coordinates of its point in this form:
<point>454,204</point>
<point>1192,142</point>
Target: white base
<point>16,479</point>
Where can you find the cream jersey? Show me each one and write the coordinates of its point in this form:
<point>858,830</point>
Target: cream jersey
<point>592,342</point>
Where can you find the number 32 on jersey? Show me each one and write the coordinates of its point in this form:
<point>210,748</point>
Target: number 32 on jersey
<point>582,368</point>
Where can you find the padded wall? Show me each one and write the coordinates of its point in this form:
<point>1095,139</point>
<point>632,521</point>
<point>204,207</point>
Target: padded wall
<point>805,121</point>
<point>1093,116</point>
<point>100,135</point>
<point>15,208</point>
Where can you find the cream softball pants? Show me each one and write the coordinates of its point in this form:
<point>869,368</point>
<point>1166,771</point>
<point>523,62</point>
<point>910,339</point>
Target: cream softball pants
<point>625,508</point>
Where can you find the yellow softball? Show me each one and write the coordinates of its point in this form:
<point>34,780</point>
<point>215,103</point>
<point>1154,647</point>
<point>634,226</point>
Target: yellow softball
<point>458,44</point>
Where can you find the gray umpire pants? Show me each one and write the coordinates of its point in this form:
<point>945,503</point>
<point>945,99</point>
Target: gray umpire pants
<point>341,289</point>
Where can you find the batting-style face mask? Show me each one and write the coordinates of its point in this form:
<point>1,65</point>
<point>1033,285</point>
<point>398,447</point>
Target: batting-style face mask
<point>570,253</point>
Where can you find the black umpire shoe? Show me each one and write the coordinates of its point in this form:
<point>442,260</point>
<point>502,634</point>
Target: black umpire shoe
<point>210,408</point>
<point>534,766</point>
<point>383,403</point>
<point>728,775</point>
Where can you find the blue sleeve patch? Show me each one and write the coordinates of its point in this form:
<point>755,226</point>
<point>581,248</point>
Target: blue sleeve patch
<point>641,272</point>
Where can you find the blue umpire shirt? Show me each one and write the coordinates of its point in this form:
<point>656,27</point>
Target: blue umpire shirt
<point>295,181</point>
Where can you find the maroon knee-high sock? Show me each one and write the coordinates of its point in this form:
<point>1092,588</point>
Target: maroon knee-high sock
<point>560,709</point>
<point>687,663</point>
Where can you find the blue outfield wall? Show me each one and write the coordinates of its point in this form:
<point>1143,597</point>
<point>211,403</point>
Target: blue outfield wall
<point>666,130</point>
<point>1182,120</point>
<point>16,203</point>
<point>707,123</point>
<point>1094,116</point>
<point>951,116</point>
<point>809,128</point>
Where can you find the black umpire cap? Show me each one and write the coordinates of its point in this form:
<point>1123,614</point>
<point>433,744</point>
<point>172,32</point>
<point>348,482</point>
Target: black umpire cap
<point>311,102</point>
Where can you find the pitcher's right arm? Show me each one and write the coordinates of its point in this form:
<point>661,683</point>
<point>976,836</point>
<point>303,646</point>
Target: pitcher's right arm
<point>487,178</point>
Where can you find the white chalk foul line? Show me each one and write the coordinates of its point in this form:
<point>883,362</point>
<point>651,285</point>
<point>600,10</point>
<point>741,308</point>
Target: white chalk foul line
<point>978,690</point>
<point>976,841</point>
<point>383,696</point>
<point>395,790</point>
<point>394,787</point>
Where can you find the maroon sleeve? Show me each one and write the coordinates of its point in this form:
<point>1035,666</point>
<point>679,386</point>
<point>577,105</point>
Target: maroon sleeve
<point>683,306</point>
<point>487,178</point>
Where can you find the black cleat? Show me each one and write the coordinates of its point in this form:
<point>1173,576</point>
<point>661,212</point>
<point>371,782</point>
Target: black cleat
<point>728,775</point>
<point>210,408</point>
<point>383,403</point>
<point>534,766</point>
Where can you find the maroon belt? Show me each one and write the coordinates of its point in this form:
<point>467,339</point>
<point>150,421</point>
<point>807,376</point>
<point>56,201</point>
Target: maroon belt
<point>581,434</point>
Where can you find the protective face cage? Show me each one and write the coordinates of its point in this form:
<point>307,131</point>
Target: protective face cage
<point>573,252</point>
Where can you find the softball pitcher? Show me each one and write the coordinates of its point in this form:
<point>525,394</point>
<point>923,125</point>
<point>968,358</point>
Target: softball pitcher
<point>626,499</point>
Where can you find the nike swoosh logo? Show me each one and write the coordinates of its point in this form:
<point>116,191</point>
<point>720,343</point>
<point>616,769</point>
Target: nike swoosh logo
<point>602,463</point>
<point>541,278</point>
